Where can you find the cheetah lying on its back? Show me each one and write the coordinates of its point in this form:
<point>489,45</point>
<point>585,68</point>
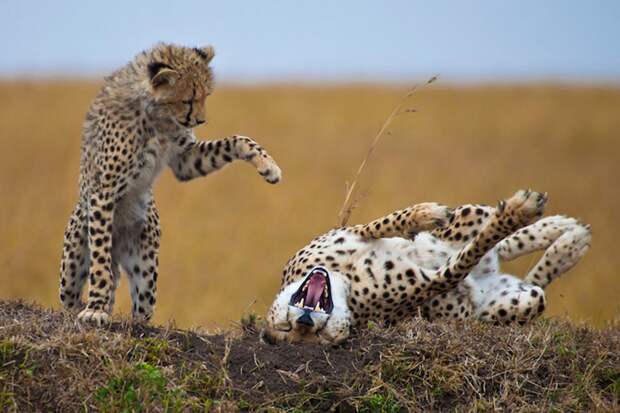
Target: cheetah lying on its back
<point>428,260</point>
<point>140,122</point>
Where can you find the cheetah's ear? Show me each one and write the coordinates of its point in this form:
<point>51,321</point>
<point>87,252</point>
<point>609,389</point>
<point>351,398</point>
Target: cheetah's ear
<point>206,53</point>
<point>162,74</point>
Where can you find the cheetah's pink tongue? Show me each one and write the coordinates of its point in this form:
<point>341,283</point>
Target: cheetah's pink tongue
<point>316,285</point>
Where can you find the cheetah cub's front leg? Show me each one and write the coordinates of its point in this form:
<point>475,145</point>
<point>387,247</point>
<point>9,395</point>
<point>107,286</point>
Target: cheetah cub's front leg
<point>265,165</point>
<point>102,279</point>
<point>204,157</point>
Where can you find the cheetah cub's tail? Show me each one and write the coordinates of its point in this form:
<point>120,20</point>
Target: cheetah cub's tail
<point>568,239</point>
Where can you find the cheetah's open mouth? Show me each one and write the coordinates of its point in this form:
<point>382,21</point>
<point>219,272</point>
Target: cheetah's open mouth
<point>315,292</point>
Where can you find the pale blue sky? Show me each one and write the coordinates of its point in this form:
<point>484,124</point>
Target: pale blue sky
<point>337,40</point>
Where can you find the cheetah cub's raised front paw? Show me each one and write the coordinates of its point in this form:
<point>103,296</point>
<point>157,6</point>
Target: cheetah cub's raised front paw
<point>98,317</point>
<point>252,152</point>
<point>268,169</point>
<point>523,208</point>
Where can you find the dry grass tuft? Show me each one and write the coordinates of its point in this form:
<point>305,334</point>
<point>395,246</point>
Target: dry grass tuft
<point>50,363</point>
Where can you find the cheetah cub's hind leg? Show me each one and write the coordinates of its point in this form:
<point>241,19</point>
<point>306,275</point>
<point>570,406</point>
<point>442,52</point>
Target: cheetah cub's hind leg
<point>565,240</point>
<point>139,258</point>
<point>75,261</point>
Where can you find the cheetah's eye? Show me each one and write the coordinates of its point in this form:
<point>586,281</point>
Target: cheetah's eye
<point>284,327</point>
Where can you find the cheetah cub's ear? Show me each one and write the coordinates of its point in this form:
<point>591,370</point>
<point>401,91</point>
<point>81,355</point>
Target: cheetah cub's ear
<point>162,75</point>
<point>207,53</point>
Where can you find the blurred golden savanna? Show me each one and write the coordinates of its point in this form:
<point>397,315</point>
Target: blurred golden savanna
<point>227,236</point>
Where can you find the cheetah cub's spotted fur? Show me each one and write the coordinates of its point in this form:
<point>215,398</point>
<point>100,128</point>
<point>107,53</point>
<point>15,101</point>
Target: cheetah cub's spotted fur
<point>428,260</point>
<point>140,122</point>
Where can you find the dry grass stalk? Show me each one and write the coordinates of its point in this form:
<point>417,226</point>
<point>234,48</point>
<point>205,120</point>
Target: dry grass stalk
<point>351,200</point>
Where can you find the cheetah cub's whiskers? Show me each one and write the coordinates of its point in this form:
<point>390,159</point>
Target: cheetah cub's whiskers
<point>140,122</point>
<point>426,259</point>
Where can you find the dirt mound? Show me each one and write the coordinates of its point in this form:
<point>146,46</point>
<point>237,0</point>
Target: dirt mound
<point>48,362</point>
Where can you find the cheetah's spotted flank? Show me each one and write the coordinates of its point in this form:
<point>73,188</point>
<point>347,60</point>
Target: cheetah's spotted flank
<point>428,260</point>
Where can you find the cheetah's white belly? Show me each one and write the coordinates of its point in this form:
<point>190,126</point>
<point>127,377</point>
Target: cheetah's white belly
<point>431,253</point>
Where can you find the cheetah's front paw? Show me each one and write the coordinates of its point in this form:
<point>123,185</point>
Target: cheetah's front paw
<point>98,317</point>
<point>250,151</point>
<point>268,169</point>
<point>431,215</point>
<point>523,208</point>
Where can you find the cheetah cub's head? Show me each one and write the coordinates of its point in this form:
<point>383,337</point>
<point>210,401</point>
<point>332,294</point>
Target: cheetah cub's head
<point>180,80</point>
<point>313,309</point>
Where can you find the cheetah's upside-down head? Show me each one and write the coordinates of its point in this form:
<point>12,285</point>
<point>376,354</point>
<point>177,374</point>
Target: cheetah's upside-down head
<point>313,309</point>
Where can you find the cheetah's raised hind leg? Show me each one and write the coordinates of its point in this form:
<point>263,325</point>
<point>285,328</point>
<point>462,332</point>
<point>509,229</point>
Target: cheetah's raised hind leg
<point>511,215</point>
<point>565,239</point>
<point>561,256</point>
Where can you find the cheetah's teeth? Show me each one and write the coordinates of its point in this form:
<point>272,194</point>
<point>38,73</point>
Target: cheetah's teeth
<point>317,307</point>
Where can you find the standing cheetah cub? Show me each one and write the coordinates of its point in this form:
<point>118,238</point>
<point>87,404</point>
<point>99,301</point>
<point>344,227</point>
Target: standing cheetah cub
<point>140,122</point>
<point>428,260</point>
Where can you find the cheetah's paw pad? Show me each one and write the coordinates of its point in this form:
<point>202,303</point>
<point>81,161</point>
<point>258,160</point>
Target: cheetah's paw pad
<point>570,248</point>
<point>433,215</point>
<point>524,207</point>
<point>270,171</point>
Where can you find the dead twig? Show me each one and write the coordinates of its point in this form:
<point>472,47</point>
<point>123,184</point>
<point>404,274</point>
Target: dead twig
<point>351,200</point>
